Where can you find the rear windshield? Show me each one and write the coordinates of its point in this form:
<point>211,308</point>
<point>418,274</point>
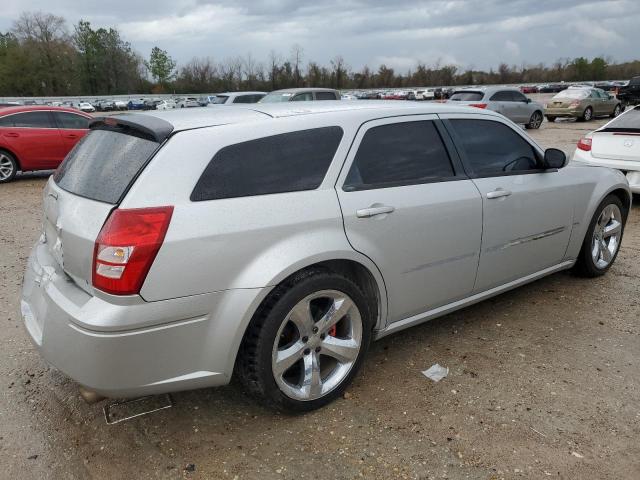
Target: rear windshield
<point>627,122</point>
<point>467,96</point>
<point>574,94</point>
<point>103,164</point>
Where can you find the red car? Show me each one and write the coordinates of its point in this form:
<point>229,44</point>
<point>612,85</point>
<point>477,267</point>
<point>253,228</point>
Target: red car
<point>529,89</point>
<point>37,137</point>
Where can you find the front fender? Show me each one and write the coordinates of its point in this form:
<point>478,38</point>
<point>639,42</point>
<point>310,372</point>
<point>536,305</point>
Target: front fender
<point>592,185</point>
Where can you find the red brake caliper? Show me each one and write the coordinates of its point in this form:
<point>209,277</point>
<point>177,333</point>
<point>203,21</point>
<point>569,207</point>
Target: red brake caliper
<point>333,330</point>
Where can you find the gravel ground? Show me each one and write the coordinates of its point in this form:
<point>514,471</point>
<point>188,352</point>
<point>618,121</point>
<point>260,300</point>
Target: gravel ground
<point>544,382</point>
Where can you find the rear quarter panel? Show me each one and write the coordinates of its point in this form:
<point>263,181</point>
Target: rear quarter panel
<point>238,243</point>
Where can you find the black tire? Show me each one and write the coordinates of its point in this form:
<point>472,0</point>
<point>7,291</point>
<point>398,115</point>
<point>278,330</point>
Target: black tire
<point>585,266</point>
<point>616,111</point>
<point>587,115</point>
<point>551,118</point>
<point>8,165</point>
<point>535,121</point>
<point>254,361</point>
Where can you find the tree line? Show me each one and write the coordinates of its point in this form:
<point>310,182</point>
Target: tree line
<point>41,56</point>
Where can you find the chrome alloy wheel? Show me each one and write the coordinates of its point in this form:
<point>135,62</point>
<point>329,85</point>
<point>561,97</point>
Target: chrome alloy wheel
<point>317,345</point>
<point>6,167</point>
<point>536,120</point>
<point>606,236</point>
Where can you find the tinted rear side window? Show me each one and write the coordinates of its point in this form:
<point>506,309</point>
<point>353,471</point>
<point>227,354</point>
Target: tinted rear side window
<point>71,120</point>
<point>103,164</point>
<point>399,154</point>
<point>287,162</point>
<point>325,96</point>
<point>503,96</point>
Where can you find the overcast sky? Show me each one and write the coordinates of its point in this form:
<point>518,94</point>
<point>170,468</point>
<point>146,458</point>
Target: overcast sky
<point>399,33</point>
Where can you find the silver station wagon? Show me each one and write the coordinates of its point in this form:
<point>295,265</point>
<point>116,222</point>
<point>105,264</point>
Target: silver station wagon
<point>275,242</point>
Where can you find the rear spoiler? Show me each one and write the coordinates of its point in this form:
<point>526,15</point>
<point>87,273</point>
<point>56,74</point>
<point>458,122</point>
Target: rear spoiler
<point>147,125</point>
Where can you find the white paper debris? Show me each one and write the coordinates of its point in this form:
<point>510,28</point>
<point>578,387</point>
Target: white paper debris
<point>436,372</point>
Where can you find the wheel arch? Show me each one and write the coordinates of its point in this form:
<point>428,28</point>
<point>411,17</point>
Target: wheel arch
<point>12,153</point>
<point>364,273</point>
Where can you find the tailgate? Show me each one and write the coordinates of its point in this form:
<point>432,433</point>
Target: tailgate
<point>71,225</point>
<point>90,183</point>
<point>616,146</point>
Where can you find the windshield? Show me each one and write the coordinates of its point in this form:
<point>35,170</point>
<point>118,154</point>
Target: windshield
<point>102,165</point>
<point>467,96</point>
<point>218,99</point>
<point>276,97</point>
<point>573,94</point>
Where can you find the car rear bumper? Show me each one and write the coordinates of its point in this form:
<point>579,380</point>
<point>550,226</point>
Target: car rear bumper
<point>563,112</point>
<point>630,167</point>
<point>132,349</point>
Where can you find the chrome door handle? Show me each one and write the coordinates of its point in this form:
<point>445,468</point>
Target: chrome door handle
<point>373,211</point>
<point>498,192</point>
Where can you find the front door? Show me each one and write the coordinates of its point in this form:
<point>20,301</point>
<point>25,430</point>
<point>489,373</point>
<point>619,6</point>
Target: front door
<point>527,211</point>
<point>407,209</point>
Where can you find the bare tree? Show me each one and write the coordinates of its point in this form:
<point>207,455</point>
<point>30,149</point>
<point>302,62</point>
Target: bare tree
<point>296,59</point>
<point>275,60</point>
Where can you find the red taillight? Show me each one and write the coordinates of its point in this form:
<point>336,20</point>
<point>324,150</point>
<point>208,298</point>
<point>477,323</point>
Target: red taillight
<point>584,144</point>
<point>126,247</point>
<point>478,105</point>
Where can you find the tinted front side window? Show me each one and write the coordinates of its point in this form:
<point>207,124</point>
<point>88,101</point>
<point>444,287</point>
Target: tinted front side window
<point>71,120</point>
<point>103,163</point>
<point>399,153</point>
<point>492,148</point>
<point>287,162</point>
<point>29,120</point>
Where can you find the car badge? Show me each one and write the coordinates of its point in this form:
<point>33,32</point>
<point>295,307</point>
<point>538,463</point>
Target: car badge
<point>628,143</point>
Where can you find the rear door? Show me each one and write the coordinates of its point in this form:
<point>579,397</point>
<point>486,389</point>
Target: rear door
<point>407,206</point>
<point>35,139</point>
<point>521,107</point>
<point>72,128</point>
<point>527,211</point>
<point>501,102</point>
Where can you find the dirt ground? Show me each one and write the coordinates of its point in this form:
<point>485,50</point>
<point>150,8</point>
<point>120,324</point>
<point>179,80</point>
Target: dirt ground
<point>544,382</point>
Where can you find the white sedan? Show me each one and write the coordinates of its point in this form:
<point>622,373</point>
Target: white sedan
<point>86,107</point>
<point>166,105</point>
<point>615,145</point>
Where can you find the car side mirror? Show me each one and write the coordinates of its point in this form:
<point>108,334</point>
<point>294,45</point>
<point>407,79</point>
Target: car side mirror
<point>554,158</point>
<point>528,100</point>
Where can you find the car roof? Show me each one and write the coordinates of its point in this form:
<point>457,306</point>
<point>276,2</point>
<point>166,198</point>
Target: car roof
<point>236,94</point>
<point>487,89</point>
<point>302,90</point>
<point>32,108</point>
<point>183,119</point>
